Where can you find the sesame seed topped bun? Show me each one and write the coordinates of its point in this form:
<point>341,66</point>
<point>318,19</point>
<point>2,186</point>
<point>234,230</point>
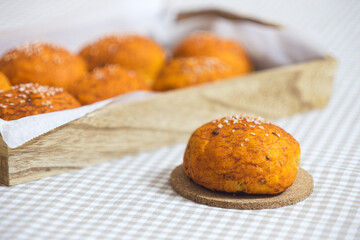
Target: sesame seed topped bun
<point>133,52</point>
<point>42,63</point>
<point>188,71</point>
<point>31,98</point>
<point>242,154</point>
<point>106,82</point>
<point>207,44</point>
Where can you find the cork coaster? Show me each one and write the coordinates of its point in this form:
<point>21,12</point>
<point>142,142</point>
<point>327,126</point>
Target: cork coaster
<point>298,191</point>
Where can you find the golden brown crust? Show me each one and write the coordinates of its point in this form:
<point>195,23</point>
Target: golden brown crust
<point>106,82</point>
<point>31,98</point>
<point>188,71</point>
<point>242,154</point>
<point>42,63</point>
<point>207,44</point>
<point>133,52</point>
<point>4,83</point>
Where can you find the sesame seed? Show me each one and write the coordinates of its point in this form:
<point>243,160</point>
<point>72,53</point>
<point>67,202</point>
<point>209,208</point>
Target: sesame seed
<point>233,130</point>
<point>242,144</point>
<point>246,140</point>
<point>243,120</point>
<point>266,134</point>
<point>253,134</point>
<point>98,74</point>
<point>132,73</point>
<point>56,60</point>
<point>112,48</point>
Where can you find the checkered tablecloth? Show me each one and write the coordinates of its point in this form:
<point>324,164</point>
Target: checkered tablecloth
<point>131,198</point>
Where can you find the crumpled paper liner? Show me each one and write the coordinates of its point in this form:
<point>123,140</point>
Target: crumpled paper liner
<point>17,132</point>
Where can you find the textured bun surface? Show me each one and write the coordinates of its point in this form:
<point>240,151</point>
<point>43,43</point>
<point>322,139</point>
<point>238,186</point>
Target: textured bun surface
<point>4,83</point>
<point>188,71</point>
<point>106,82</point>
<point>242,154</point>
<point>31,98</point>
<point>140,54</point>
<point>42,63</point>
<point>207,44</point>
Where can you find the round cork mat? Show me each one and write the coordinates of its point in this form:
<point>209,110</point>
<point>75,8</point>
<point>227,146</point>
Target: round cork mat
<point>298,191</point>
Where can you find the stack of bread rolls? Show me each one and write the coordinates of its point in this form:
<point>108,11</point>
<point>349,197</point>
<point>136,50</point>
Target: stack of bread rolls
<point>200,58</point>
<point>40,72</point>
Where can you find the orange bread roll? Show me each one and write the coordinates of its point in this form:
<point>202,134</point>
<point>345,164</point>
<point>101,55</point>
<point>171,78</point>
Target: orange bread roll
<point>106,82</point>
<point>133,52</point>
<point>42,63</point>
<point>184,72</point>
<point>4,83</point>
<point>207,44</point>
<point>31,98</point>
<point>242,154</point>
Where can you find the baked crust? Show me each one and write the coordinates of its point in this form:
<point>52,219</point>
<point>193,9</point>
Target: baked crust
<point>42,63</point>
<point>4,83</point>
<point>31,98</point>
<point>207,44</point>
<point>189,71</point>
<point>106,82</point>
<point>242,154</point>
<point>133,52</point>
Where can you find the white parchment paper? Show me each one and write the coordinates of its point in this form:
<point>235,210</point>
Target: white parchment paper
<point>267,47</point>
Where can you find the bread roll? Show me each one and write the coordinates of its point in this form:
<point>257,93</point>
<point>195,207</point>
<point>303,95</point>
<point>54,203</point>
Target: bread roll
<point>31,98</point>
<point>207,44</point>
<point>42,63</point>
<point>133,52</point>
<point>242,154</point>
<point>106,82</point>
<point>189,71</point>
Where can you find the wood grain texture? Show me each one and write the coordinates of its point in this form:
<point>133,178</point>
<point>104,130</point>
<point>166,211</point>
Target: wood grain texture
<point>167,118</point>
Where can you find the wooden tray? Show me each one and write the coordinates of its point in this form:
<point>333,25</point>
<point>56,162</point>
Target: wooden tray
<point>168,118</point>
